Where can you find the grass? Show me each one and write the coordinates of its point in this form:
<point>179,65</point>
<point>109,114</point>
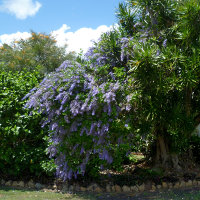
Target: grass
<point>24,194</point>
<point>135,157</point>
<point>178,194</point>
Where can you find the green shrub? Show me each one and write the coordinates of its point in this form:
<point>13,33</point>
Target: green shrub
<point>22,147</point>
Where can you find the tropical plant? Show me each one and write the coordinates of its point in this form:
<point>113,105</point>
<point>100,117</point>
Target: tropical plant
<point>164,69</point>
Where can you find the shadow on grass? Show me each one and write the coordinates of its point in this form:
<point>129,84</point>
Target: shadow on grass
<point>14,193</point>
<point>10,193</point>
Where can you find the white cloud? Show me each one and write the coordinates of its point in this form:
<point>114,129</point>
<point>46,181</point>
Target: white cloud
<point>80,39</point>
<point>20,8</point>
<point>9,38</point>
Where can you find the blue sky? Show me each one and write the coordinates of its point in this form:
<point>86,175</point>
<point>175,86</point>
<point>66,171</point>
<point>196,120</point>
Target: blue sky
<point>74,21</point>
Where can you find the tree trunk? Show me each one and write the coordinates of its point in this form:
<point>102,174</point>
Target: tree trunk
<point>163,157</point>
<point>188,99</point>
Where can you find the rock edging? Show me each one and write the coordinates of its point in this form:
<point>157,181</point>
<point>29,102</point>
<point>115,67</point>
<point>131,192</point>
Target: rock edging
<point>94,187</point>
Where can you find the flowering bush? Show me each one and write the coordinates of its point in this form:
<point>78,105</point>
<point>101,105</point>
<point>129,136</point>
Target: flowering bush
<point>87,107</point>
<point>81,110</point>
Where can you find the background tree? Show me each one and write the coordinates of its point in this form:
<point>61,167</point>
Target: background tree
<point>39,52</point>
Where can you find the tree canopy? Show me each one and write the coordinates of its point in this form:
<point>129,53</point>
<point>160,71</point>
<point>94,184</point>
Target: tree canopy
<point>38,52</point>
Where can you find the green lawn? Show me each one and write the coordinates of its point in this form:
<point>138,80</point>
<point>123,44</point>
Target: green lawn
<point>17,194</point>
<point>187,194</point>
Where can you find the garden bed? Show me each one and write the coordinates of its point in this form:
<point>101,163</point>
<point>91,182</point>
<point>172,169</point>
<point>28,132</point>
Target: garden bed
<point>132,179</point>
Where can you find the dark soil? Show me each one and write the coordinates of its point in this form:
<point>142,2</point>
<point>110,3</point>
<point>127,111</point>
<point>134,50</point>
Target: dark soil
<point>172,194</point>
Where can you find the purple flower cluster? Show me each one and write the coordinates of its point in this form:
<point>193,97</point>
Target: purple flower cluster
<point>108,51</point>
<point>126,51</point>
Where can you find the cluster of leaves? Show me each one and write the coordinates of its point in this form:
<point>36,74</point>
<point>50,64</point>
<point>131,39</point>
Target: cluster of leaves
<point>22,147</point>
<point>39,52</point>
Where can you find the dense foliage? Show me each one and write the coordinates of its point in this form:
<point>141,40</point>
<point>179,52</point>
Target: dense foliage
<point>23,142</point>
<point>140,82</point>
<point>39,52</point>
<point>22,147</point>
